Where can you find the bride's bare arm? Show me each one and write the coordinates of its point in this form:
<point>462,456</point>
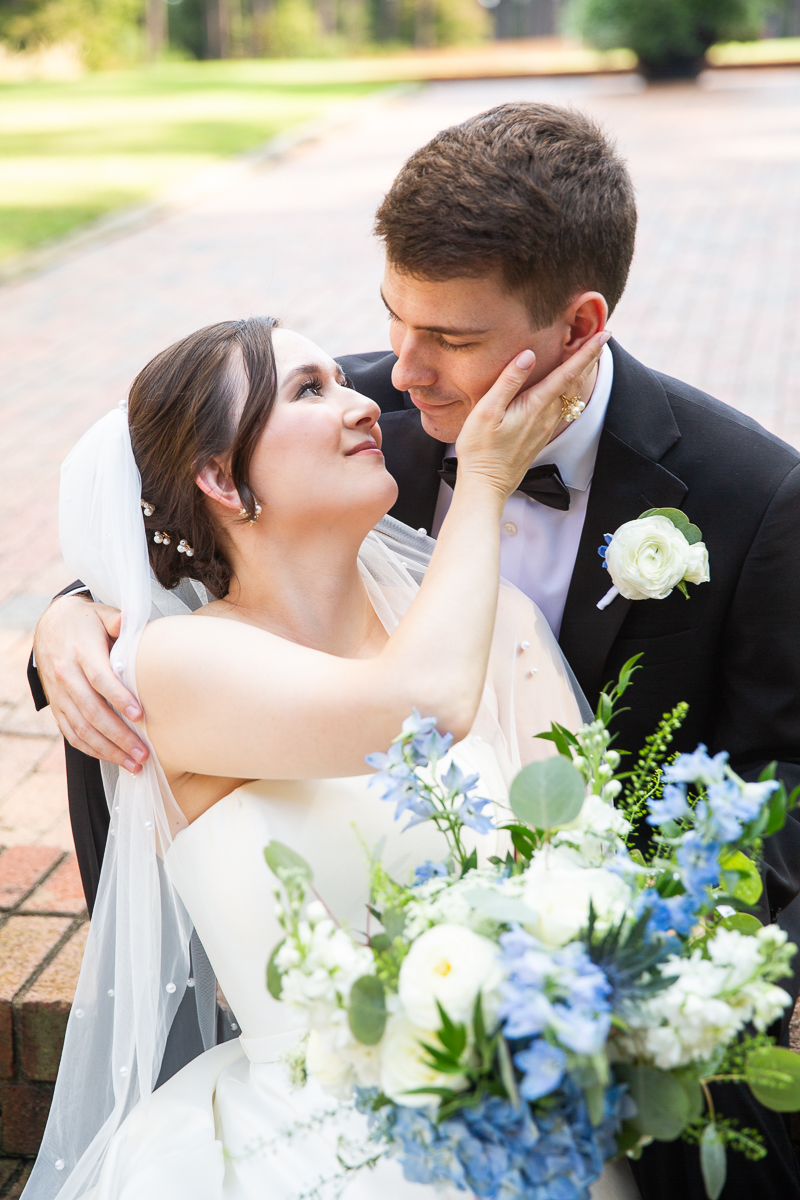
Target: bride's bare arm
<point>229,700</point>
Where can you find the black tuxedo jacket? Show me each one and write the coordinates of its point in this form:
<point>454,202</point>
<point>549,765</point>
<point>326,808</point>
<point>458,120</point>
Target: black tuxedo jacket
<point>732,651</point>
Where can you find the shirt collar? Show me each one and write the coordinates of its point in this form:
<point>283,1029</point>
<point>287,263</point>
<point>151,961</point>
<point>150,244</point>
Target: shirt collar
<point>575,450</point>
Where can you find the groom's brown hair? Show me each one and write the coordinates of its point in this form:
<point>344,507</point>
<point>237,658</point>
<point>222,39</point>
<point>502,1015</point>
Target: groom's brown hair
<point>533,190</point>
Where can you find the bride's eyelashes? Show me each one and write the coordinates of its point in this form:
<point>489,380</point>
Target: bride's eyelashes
<point>313,385</point>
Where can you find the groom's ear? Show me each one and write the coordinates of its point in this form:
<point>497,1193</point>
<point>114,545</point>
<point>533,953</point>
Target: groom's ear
<point>585,316</point>
<point>215,480</point>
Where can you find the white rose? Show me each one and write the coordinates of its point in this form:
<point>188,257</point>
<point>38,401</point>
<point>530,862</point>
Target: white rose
<point>646,558</point>
<point>403,1067</point>
<point>451,964</point>
<point>559,892</point>
<point>697,570</point>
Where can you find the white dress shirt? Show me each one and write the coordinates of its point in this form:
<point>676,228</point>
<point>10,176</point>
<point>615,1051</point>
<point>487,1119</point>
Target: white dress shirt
<point>539,545</point>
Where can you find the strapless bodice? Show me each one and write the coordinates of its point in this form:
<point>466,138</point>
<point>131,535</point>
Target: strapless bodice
<point>217,865</point>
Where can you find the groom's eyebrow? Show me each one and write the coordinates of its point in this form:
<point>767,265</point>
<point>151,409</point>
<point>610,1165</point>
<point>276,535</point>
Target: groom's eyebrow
<point>445,329</point>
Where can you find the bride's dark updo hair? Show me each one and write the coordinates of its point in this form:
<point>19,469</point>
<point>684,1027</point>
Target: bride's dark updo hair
<point>208,396</point>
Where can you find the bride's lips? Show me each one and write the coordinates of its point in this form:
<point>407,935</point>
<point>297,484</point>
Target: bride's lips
<point>369,447</point>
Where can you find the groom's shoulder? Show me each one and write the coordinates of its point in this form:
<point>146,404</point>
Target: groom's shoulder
<point>677,422</point>
<point>726,430</point>
<point>371,374</point>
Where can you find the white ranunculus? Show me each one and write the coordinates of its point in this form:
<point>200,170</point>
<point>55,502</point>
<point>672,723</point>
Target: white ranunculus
<point>451,964</point>
<point>403,1066</point>
<point>697,570</point>
<point>559,891</point>
<point>646,558</point>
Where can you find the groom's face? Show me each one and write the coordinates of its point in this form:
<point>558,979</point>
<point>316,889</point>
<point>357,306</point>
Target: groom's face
<point>452,339</point>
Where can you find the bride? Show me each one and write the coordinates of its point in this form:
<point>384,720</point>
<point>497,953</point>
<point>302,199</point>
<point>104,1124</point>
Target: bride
<point>246,464</point>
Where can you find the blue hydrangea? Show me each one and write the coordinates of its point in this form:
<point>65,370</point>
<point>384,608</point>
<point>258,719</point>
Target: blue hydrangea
<point>548,1151</point>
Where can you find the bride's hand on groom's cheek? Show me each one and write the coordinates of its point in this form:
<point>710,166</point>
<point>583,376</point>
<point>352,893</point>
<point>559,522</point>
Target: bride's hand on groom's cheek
<point>71,647</point>
<point>509,426</point>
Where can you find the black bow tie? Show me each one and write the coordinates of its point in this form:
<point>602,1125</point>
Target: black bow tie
<point>540,483</point>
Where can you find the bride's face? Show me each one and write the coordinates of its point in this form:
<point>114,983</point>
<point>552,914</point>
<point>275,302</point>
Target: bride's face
<point>319,457</point>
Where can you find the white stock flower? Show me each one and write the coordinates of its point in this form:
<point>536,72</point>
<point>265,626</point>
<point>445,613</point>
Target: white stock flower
<point>449,964</point>
<point>710,1001</point>
<point>697,570</point>
<point>403,1067</point>
<point>558,889</point>
<point>323,966</point>
<point>597,829</point>
<point>646,558</point>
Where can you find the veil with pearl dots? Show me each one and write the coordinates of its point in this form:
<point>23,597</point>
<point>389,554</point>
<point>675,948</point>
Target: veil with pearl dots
<point>136,965</point>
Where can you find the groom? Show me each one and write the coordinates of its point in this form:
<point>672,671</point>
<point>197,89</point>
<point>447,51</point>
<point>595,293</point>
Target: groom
<point>516,230</point>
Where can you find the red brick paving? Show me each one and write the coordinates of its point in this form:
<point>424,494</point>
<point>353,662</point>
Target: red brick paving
<point>20,869</point>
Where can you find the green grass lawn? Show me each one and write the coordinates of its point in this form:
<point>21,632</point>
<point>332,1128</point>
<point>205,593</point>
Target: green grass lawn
<point>70,152</point>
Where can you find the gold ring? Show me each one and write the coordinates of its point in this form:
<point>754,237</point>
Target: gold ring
<point>571,408</point>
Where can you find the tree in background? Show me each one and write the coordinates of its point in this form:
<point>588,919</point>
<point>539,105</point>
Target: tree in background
<point>669,36</point>
<point>104,32</point>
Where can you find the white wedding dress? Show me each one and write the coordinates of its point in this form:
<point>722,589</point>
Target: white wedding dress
<point>230,1126</point>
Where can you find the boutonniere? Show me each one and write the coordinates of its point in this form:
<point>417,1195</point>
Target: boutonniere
<point>649,557</point>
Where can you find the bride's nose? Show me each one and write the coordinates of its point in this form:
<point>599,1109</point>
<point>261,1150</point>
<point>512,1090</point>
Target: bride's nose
<point>360,412</point>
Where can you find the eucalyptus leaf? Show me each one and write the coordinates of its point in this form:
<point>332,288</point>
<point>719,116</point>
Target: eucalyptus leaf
<point>679,520</point>
<point>774,1077</point>
<point>743,923</point>
<point>274,977</point>
<point>547,794</point>
<point>282,859</point>
<point>393,921</point>
<point>713,1161</point>
<point>367,1011</point>
<point>500,908</point>
<point>741,877</point>
<point>662,1103</point>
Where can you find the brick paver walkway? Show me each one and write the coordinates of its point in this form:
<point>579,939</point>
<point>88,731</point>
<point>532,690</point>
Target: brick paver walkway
<point>714,298</point>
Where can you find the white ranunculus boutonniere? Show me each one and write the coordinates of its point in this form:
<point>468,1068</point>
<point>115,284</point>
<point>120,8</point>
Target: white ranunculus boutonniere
<point>649,557</point>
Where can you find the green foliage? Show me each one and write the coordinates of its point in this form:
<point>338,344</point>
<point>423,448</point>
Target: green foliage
<point>773,1075</point>
<point>662,1101</point>
<point>366,1013</point>
<point>286,863</point>
<point>748,1142</point>
<point>106,32</point>
<point>679,520</point>
<point>740,877</point>
<point>644,781</point>
<point>274,977</point>
<point>713,1160</point>
<point>659,30</point>
<point>547,794</point>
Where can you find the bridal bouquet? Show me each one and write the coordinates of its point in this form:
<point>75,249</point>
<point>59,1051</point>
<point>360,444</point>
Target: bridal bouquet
<point>508,1028</point>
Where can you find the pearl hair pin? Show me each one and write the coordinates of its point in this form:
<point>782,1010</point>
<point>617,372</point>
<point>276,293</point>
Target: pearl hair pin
<point>185,548</point>
<point>161,538</point>
<point>148,508</point>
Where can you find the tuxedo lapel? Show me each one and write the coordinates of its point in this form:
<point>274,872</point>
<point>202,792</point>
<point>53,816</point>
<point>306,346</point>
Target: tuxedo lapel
<point>628,479</point>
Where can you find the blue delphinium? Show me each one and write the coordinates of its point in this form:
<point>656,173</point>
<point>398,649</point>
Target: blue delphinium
<point>429,870</point>
<point>698,767</point>
<point>549,1151</point>
<point>557,996</point>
